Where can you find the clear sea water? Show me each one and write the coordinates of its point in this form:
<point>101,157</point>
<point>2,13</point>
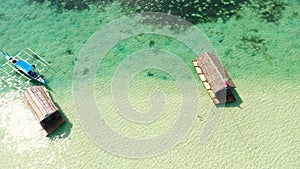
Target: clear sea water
<point>259,50</point>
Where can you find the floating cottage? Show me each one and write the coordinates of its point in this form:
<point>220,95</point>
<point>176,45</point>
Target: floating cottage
<point>44,110</point>
<point>215,78</point>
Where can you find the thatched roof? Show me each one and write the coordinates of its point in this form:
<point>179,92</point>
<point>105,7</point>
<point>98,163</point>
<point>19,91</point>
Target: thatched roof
<point>39,101</point>
<point>214,77</point>
<point>43,108</point>
<point>214,72</point>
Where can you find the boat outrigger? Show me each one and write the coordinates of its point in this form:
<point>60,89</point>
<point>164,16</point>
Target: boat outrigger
<point>22,64</point>
<point>24,68</point>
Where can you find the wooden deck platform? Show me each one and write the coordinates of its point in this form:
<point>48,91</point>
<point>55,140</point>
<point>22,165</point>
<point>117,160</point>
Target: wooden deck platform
<point>43,108</point>
<point>215,78</point>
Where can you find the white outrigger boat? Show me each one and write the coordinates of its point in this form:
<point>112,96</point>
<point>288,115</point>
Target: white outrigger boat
<point>20,64</point>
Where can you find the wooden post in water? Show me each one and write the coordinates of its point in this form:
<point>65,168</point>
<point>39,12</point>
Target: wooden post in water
<point>43,108</point>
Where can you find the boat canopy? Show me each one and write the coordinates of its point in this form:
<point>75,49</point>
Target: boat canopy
<point>24,66</point>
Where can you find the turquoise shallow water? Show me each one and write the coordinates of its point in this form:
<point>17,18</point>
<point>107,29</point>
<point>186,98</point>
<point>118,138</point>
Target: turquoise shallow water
<point>262,57</point>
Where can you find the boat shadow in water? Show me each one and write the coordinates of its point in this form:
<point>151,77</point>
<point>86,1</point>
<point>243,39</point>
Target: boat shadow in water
<point>63,130</point>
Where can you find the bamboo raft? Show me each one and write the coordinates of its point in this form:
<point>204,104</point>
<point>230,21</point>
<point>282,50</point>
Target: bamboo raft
<point>215,78</point>
<point>44,110</point>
